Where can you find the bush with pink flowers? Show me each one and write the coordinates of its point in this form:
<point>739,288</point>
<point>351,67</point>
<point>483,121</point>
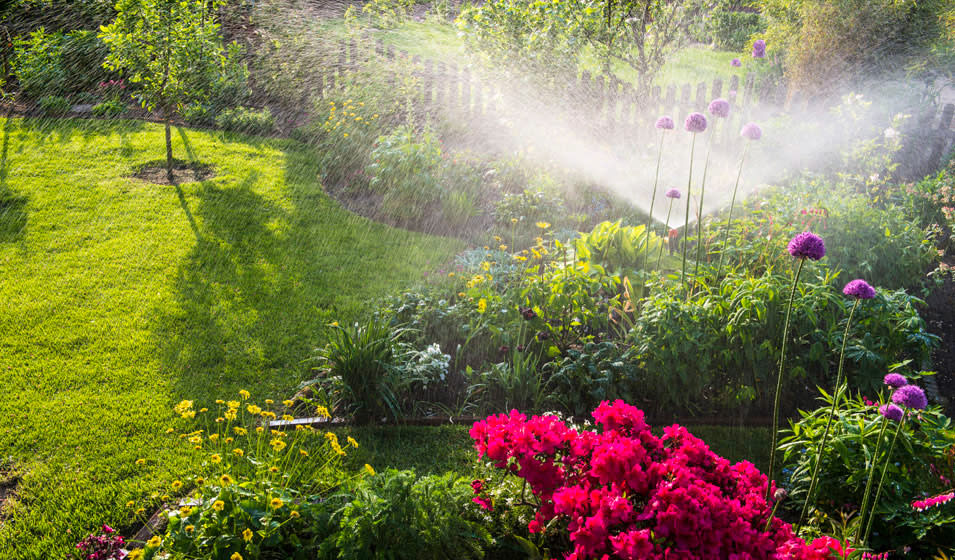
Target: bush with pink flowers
<point>624,492</point>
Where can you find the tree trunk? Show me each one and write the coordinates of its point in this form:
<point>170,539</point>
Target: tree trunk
<point>168,151</point>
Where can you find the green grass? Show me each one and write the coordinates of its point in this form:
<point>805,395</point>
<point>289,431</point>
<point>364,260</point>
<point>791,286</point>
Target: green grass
<point>690,65</point>
<point>119,298</point>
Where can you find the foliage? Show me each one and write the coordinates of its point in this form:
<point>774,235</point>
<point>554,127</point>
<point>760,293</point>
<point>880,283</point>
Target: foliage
<point>247,120</point>
<point>549,38</point>
<point>106,545</point>
<point>38,64</point>
<point>108,109</point>
<point>384,14</point>
<point>618,248</point>
<point>623,491</point>
<point>585,377</point>
<point>395,515</point>
<point>922,466</point>
<point>730,28</point>
<point>54,105</point>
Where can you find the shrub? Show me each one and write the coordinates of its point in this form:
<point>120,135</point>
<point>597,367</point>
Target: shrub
<point>600,371</point>
<point>54,105</point>
<point>104,546</point>
<point>730,29</point>
<point>109,109</point>
<point>393,515</point>
<point>923,465</point>
<point>38,64</point>
<point>624,492</point>
<point>244,119</point>
<point>406,170</point>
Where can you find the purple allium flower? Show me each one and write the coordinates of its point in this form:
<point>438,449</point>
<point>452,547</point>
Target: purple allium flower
<point>665,123</point>
<point>859,289</point>
<point>759,49</point>
<point>910,396</point>
<point>895,380</point>
<point>695,122</point>
<point>891,412</point>
<point>807,245</point>
<point>672,193</point>
<point>719,108</point>
<point>736,62</point>
<point>751,131</point>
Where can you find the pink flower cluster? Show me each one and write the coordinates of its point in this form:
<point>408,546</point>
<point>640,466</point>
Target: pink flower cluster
<point>106,546</point>
<point>923,505</point>
<point>624,493</point>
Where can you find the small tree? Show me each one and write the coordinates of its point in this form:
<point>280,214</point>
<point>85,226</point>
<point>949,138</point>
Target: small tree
<point>170,48</point>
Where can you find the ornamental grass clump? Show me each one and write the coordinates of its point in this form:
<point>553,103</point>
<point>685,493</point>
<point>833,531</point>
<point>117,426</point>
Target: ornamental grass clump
<point>695,123</point>
<point>806,245</point>
<point>752,132</point>
<point>619,491</point>
<point>663,124</point>
<point>858,290</point>
<point>672,194</point>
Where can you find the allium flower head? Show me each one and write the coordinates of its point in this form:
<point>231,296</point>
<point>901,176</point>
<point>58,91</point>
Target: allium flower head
<point>665,123</point>
<point>751,131</point>
<point>759,49</point>
<point>736,62</point>
<point>891,412</point>
<point>807,245</point>
<point>910,396</point>
<point>895,380</point>
<point>719,107</point>
<point>695,122</point>
<point>673,193</point>
<point>859,289</point>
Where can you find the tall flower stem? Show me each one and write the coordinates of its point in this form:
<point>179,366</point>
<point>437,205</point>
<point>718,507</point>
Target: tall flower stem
<point>656,181</point>
<point>779,386</point>
<point>832,414</point>
<point>699,210</point>
<point>868,483</point>
<point>686,220</point>
<point>729,219</point>
<point>878,491</point>
<point>666,233</point>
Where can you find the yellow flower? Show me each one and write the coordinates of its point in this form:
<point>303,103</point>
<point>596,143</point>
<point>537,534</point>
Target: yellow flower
<point>485,266</point>
<point>276,503</point>
<point>200,480</point>
<point>288,403</point>
<point>323,412</point>
<point>303,453</point>
<point>130,504</point>
<point>231,414</point>
<point>140,462</point>
<point>154,542</point>
<point>502,247</point>
<point>189,414</point>
<point>497,238</point>
<point>277,445</point>
<point>253,409</point>
<point>513,220</point>
<point>235,556</point>
<point>220,401</point>
<point>203,409</point>
<point>461,294</point>
<point>351,441</point>
<point>369,469</point>
<point>542,225</point>
<point>239,431</point>
<point>288,417</point>
<point>245,394</point>
<point>345,135</point>
<point>135,554</point>
<point>165,497</point>
<point>247,535</point>
<point>190,528</point>
<point>333,324</point>
<point>294,514</point>
<point>268,414</point>
<point>269,401</point>
<point>218,505</point>
<point>273,469</point>
<point>182,407</point>
<point>170,430</point>
<point>195,439</point>
<point>226,479</point>
<point>176,485</point>
<point>238,452</point>
<point>233,404</point>
<point>482,305</point>
<point>140,511</point>
<point>185,511</point>
<point>259,430</point>
<point>213,437</point>
<point>215,458</point>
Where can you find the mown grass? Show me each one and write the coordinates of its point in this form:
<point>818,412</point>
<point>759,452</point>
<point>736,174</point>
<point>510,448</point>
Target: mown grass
<point>119,298</point>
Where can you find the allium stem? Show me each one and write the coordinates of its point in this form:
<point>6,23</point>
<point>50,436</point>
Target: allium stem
<point>729,219</point>
<point>878,490</point>
<point>779,385</point>
<point>868,483</point>
<point>699,210</point>
<point>656,180</point>
<point>686,220</point>
<point>666,233</point>
<point>832,414</point>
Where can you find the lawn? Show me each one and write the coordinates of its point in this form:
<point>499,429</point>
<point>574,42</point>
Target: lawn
<point>122,297</point>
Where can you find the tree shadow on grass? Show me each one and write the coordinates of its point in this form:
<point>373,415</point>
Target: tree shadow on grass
<point>13,207</point>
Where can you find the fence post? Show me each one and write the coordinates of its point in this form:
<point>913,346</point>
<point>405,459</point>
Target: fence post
<point>477,107</point>
<point>466,92</point>
<point>341,61</point>
<point>439,86</point>
<point>670,100</point>
<point>701,97</point>
<point>717,88</point>
<point>454,99</point>
<point>684,101</point>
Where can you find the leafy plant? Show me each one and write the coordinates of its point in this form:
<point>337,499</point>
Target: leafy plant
<point>54,105</point>
<point>618,248</point>
<point>247,120</point>
<point>38,64</point>
<point>108,109</point>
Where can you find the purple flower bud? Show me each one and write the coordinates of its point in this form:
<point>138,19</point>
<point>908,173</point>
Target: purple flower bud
<point>665,123</point>
<point>807,245</point>
<point>759,49</point>
<point>891,412</point>
<point>859,289</point>
<point>673,193</point>
<point>910,396</point>
<point>736,62</point>
<point>895,380</point>
<point>695,122</point>
<point>751,131</point>
<point>719,108</point>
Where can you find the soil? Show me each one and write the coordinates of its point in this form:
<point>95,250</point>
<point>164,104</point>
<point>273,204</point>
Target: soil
<point>182,172</point>
<point>9,482</point>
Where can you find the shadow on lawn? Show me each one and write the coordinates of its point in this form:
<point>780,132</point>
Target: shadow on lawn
<point>13,214</point>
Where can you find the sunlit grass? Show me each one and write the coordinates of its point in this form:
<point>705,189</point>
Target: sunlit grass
<point>119,298</point>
